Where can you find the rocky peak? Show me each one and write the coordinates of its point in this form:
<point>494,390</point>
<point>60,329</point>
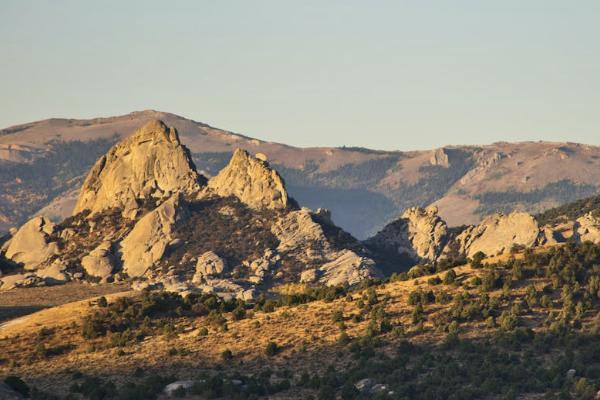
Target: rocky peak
<point>419,232</point>
<point>152,163</point>
<point>439,157</point>
<point>252,180</point>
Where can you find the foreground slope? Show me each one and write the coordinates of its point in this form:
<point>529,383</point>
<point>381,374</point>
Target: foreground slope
<point>46,160</point>
<point>521,326</point>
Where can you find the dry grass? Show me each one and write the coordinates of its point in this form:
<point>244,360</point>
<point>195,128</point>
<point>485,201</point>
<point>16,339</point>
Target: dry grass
<point>306,333</point>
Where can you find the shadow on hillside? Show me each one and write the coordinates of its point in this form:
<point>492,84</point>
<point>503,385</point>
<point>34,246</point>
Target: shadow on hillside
<point>11,312</point>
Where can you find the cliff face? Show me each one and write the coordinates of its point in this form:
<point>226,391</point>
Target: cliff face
<point>419,233</point>
<point>150,164</point>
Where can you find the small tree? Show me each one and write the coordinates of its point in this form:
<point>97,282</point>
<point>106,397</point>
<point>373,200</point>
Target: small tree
<point>271,349</point>
<point>477,259</point>
<point>226,355</point>
<point>450,277</point>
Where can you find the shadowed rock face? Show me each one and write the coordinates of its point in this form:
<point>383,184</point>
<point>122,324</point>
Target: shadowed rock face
<point>419,233</point>
<point>251,180</point>
<point>150,164</point>
<point>148,240</point>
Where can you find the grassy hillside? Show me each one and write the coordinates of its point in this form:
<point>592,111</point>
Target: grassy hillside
<point>508,327</point>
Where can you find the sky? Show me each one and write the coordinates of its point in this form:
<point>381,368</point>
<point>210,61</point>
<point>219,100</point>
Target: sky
<point>394,75</point>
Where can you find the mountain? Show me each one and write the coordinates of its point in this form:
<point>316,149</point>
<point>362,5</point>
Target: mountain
<point>240,293</point>
<point>42,165</point>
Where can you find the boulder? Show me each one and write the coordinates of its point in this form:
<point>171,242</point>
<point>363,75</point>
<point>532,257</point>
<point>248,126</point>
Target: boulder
<point>152,163</point>
<point>498,233</point>
<point>308,276</point>
<point>146,243</point>
<point>99,262</point>
<point>54,273</point>
<point>587,228</point>
<point>419,233</point>
<point>252,181</point>
<point>296,230</point>
<point>364,385</point>
<point>440,158</point>
<point>247,295</point>
<point>209,264</point>
<point>31,245</point>
<point>348,268</point>
<point>28,279</point>
<point>172,388</point>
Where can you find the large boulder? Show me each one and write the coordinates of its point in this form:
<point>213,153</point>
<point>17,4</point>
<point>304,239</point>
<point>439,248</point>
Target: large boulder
<point>53,273</point>
<point>99,262</point>
<point>348,268</point>
<point>31,245</point>
<point>419,233</point>
<point>587,228</point>
<point>146,243</point>
<point>296,230</point>
<point>498,233</point>
<point>209,264</point>
<point>152,163</point>
<point>251,180</point>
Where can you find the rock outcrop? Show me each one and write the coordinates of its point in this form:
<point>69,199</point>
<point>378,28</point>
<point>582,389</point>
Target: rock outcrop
<point>251,180</point>
<point>498,233</point>
<point>152,218</point>
<point>587,228</point>
<point>146,243</point>
<point>297,231</point>
<point>150,164</point>
<point>99,262</point>
<point>31,245</point>
<point>347,268</point>
<point>419,233</point>
<point>208,265</point>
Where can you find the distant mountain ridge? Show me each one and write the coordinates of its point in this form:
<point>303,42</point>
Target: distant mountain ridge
<point>43,163</point>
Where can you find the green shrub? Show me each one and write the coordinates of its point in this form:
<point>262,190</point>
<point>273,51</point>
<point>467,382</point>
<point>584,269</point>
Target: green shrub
<point>450,277</point>
<point>271,349</point>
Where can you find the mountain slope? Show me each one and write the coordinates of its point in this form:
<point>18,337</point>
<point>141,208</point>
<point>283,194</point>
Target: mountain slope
<point>45,161</point>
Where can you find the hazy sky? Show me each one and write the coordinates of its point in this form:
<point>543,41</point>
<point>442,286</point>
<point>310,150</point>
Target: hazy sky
<point>381,74</point>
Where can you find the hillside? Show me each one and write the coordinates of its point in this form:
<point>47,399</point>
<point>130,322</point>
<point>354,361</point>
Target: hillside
<point>42,165</point>
<point>519,326</point>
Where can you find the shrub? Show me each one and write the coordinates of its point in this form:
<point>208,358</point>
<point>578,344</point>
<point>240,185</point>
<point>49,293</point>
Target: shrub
<point>239,313</point>
<point>102,302</point>
<point>338,316</point>
<point>508,320</point>
<point>477,259</point>
<point>433,281</point>
<point>271,349</point>
<point>226,355</point>
<point>450,277</point>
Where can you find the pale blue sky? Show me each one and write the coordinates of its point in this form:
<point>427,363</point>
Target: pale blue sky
<point>382,74</point>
